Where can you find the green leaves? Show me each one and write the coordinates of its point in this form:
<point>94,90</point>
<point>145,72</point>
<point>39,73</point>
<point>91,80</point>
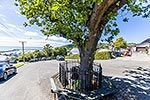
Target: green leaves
<point>69,18</point>
<point>125,19</point>
<point>100,1</point>
<point>118,3</point>
<point>55,7</point>
<point>120,43</point>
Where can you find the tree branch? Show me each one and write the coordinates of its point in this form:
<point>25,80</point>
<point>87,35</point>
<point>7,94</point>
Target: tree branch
<point>97,25</point>
<point>98,12</point>
<point>113,8</point>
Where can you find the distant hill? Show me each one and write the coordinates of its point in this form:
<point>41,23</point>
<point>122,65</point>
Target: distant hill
<point>69,46</point>
<point>146,41</point>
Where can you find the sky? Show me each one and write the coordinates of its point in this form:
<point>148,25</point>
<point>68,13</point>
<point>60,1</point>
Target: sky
<point>12,30</point>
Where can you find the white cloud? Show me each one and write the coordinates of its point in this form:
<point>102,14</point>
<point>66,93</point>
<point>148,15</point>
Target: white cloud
<point>57,38</point>
<point>28,33</point>
<point>4,19</point>
<point>12,25</point>
<point>1,15</point>
<point>13,28</point>
<point>9,41</point>
<point>17,12</point>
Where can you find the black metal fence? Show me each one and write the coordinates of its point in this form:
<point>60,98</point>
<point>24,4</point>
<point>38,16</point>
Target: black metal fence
<point>69,73</point>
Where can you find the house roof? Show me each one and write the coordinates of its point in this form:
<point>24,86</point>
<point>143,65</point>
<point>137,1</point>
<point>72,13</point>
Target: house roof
<point>144,43</point>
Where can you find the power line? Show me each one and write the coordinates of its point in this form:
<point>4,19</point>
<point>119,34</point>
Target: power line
<point>9,31</point>
<point>14,36</point>
<point>9,35</point>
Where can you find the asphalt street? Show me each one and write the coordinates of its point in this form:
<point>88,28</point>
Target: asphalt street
<point>32,80</point>
<point>30,83</point>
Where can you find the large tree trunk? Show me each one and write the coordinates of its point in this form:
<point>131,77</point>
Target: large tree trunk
<point>87,52</point>
<point>86,66</point>
<point>96,24</point>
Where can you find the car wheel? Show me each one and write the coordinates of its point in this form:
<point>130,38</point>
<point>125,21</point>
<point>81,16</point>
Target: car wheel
<point>5,76</point>
<point>15,71</point>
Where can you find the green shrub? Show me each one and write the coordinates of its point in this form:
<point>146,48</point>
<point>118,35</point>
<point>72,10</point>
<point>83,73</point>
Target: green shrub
<point>76,84</point>
<point>75,56</point>
<point>20,58</point>
<point>103,55</point>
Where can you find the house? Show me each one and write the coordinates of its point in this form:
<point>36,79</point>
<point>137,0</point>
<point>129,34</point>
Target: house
<point>74,51</point>
<point>143,46</point>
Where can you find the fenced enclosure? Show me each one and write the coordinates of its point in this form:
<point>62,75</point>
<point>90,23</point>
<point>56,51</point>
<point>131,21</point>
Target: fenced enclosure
<point>70,76</point>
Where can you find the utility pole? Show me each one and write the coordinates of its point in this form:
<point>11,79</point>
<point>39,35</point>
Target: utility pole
<point>22,42</point>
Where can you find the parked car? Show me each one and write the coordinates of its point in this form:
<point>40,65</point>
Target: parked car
<point>49,58</point>
<point>60,58</point>
<point>13,61</point>
<point>6,69</point>
<point>43,59</point>
<point>34,60</point>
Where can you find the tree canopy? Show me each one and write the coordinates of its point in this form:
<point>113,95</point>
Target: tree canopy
<point>120,43</point>
<point>74,19</point>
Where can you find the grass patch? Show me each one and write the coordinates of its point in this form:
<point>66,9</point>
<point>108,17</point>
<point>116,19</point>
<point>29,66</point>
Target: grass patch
<point>19,65</point>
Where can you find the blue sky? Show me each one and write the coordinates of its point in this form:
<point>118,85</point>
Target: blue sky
<point>12,29</point>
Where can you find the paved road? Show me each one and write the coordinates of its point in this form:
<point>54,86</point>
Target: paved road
<point>116,67</point>
<point>31,82</point>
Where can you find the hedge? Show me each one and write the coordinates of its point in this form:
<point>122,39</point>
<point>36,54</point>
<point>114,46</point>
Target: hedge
<point>102,55</point>
<point>75,56</point>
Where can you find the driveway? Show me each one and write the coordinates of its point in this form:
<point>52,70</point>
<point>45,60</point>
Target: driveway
<point>31,82</point>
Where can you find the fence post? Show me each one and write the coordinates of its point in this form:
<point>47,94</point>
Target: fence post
<point>100,76</point>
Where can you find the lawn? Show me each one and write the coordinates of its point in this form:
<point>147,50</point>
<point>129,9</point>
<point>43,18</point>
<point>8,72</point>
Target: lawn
<point>19,64</point>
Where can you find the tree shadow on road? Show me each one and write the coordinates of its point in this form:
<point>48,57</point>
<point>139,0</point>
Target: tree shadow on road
<point>134,86</point>
<point>9,77</point>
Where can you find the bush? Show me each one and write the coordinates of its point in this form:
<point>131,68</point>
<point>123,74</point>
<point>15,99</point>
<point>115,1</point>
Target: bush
<point>103,55</point>
<point>75,56</point>
<point>20,58</point>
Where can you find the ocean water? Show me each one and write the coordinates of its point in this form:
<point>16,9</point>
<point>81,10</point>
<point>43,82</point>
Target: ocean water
<point>17,48</point>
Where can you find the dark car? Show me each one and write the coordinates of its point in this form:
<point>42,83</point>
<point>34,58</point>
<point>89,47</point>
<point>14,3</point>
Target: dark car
<point>60,58</point>
<point>13,61</point>
<point>6,69</point>
<point>43,59</point>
